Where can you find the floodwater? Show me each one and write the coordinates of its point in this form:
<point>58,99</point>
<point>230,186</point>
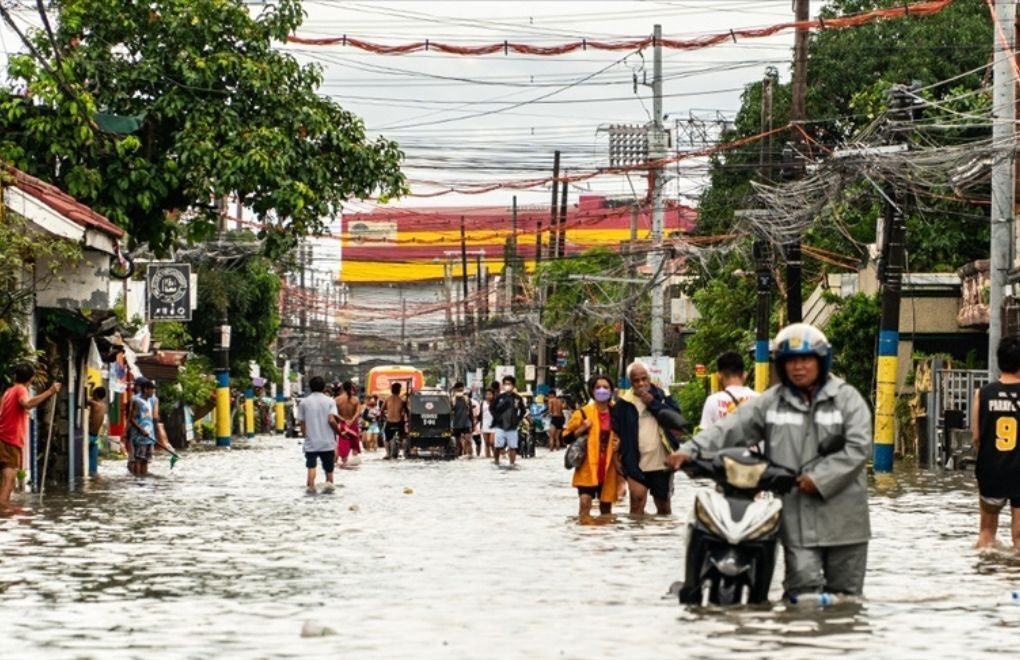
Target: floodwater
<point>226,556</point>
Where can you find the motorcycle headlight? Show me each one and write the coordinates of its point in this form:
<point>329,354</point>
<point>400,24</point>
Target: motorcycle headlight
<point>744,477</point>
<point>703,516</point>
<point>768,525</point>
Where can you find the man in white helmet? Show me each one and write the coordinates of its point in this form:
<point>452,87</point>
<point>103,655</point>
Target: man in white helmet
<point>825,526</point>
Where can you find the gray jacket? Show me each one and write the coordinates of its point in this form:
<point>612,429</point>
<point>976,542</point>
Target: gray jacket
<point>793,430</point>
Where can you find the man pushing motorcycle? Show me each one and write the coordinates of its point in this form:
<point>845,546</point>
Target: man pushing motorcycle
<point>825,525</point>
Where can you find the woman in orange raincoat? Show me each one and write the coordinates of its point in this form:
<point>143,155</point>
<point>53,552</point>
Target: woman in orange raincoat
<point>597,476</point>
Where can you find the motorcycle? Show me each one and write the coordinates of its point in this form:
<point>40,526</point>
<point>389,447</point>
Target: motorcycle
<point>732,537</point>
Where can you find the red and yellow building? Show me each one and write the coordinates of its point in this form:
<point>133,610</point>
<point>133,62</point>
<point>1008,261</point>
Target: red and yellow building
<point>393,245</point>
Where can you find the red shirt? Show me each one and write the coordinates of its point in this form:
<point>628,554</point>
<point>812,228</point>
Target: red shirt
<point>14,418</point>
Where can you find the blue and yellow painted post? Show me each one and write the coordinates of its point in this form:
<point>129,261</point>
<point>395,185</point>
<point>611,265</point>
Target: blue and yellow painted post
<point>281,422</point>
<point>222,407</point>
<point>885,419</point>
<point>763,288</point>
<point>889,341</point>
<point>249,413</point>
<point>761,365</point>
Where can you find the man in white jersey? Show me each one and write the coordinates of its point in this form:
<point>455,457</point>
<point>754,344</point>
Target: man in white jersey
<point>732,393</point>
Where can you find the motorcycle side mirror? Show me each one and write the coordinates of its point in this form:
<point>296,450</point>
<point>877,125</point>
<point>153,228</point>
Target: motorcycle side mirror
<point>671,420</point>
<point>831,445</point>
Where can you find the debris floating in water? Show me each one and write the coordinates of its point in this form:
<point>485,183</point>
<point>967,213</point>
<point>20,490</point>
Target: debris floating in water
<point>353,507</point>
<point>408,491</point>
<point>312,629</point>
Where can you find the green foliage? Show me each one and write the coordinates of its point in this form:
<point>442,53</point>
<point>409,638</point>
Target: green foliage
<point>727,322</point>
<point>247,296</point>
<point>853,332</point>
<point>843,63</point>
<point>29,261</point>
<point>172,335</point>
<point>221,112</point>
<point>194,385</point>
<point>691,398</point>
<point>573,307</point>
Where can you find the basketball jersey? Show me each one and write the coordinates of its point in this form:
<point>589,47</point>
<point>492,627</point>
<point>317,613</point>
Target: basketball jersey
<point>998,461</point>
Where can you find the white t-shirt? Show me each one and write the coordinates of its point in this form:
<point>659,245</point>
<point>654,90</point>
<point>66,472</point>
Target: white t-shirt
<point>486,418</point>
<point>314,410</point>
<point>721,404</point>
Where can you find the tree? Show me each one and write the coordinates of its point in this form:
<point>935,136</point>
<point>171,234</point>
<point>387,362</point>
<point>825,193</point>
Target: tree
<point>586,315</point>
<point>21,252</point>
<point>150,112</point>
<point>246,294</point>
<point>725,323</point>
<point>851,331</point>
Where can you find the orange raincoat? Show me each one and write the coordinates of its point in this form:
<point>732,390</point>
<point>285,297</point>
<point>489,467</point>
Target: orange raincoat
<point>587,473</point>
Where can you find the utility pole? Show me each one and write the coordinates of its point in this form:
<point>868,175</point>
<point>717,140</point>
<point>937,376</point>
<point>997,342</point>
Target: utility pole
<point>657,151</point>
<point>303,311</point>
<point>448,292</point>
<point>482,296</point>
<point>763,287</point>
<point>463,271</point>
<point>553,235</point>
<point>561,242</point>
<point>627,341</point>
<point>403,325</point>
<point>509,269</point>
<point>802,13</point>
<point>798,112</point>
<point>893,240</point>
<point>1003,172</point>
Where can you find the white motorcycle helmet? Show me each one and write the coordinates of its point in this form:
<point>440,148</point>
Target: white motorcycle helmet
<point>800,339</point>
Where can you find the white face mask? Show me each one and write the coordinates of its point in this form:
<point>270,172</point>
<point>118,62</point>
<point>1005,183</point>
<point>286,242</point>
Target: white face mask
<point>507,388</point>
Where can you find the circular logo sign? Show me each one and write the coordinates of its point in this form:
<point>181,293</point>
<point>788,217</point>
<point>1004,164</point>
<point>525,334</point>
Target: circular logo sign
<point>169,285</point>
<point>429,405</point>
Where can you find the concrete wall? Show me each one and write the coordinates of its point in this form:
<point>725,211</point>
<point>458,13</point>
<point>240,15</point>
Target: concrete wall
<point>86,286</point>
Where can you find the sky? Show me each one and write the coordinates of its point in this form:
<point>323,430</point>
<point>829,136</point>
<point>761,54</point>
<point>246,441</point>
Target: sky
<point>500,118</point>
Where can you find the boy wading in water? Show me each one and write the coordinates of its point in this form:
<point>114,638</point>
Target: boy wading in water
<point>994,424</point>
<point>97,416</point>
<point>143,416</point>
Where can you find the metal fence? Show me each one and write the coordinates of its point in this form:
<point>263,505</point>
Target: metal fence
<point>949,407</point>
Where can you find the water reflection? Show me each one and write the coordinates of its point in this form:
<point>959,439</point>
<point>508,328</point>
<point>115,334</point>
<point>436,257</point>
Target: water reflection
<point>226,556</point>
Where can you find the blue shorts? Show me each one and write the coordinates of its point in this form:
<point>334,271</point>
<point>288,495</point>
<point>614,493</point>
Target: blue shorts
<point>326,457</point>
<point>142,451</point>
<point>506,439</point>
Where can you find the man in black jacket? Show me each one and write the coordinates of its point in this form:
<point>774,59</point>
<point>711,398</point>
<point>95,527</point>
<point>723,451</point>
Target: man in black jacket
<point>508,410</point>
<point>644,446</point>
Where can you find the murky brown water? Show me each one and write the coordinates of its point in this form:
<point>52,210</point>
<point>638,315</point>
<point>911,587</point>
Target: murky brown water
<point>227,557</point>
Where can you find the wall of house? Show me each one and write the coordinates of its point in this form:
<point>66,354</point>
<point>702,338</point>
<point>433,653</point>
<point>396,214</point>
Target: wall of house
<point>86,286</point>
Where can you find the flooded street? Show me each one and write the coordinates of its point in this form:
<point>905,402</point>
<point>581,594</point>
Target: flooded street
<point>227,556</point>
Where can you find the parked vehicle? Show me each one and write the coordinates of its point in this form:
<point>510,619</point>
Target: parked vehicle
<point>381,378</point>
<point>429,420</point>
<point>732,536</point>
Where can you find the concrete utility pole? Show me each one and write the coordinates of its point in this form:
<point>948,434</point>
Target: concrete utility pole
<point>798,113</point>
<point>1003,193</point>
<point>553,235</point>
<point>509,260</point>
<point>763,288</point>
<point>463,271</point>
<point>657,151</point>
<point>403,326</point>
<point>893,256</point>
<point>561,241</point>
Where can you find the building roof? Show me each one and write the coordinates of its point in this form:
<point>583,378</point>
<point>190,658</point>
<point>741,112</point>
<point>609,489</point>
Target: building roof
<point>62,203</point>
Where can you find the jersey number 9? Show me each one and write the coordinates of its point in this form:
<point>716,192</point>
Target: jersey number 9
<point>1005,433</point>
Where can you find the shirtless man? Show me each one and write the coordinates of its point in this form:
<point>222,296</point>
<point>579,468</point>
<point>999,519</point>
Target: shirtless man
<point>394,410</point>
<point>349,435</point>
<point>556,421</point>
